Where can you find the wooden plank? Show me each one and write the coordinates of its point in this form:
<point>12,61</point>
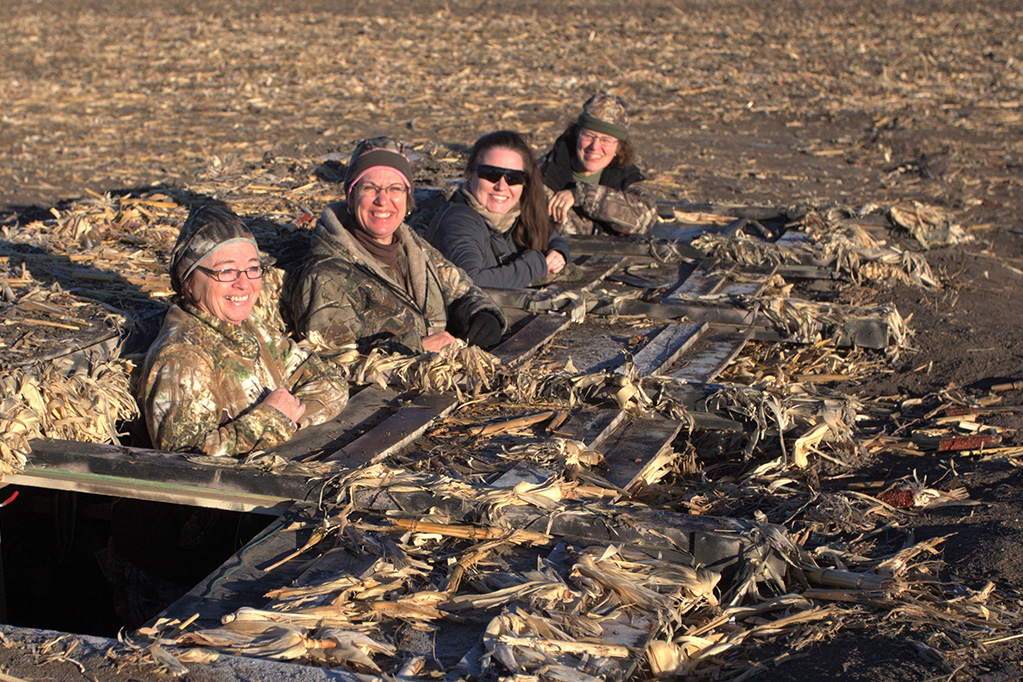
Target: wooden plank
<point>591,426</point>
<point>638,246</point>
<point>704,280</point>
<point>717,348</point>
<point>155,475</point>
<point>666,347</point>
<point>365,409</point>
<point>536,333</point>
<point>708,421</point>
<point>393,434</point>
<point>530,339</point>
<point>752,287</point>
<point>734,210</point>
<point>153,491</point>
<point>791,238</point>
<point>590,270</point>
<point>632,447</point>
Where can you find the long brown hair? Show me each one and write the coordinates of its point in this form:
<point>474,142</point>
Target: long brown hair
<point>533,229</point>
<point>624,156</point>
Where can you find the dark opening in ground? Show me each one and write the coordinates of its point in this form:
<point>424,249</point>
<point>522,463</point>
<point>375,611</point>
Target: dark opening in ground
<point>91,564</point>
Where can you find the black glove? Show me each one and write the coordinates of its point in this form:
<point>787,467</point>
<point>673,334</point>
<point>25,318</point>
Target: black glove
<point>484,330</point>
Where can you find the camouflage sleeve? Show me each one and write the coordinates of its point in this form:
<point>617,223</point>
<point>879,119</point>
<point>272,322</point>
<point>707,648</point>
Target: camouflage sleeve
<point>319,385</point>
<point>181,412</point>
<point>629,211</point>
<point>324,301</point>
<point>459,288</point>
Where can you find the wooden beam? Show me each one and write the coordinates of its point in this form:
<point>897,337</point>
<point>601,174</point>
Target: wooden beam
<point>394,433</point>
<point>159,476</point>
<point>531,338</point>
<point>715,350</point>
<point>365,409</point>
<point>665,348</point>
<point>630,449</point>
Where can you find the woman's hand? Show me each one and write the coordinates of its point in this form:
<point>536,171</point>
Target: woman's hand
<point>560,204</point>
<point>289,405</point>
<point>437,342</point>
<point>555,262</point>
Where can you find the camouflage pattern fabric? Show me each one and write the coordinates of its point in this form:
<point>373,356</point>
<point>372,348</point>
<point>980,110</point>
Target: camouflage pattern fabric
<point>204,377</point>
<point>608,114</point>
<point>348,297</point>
<point>598,209</point>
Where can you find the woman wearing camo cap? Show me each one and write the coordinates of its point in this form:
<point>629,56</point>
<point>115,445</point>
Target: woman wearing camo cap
<point>218,380</point>
<point>591,174</point>
<point>370,281</point>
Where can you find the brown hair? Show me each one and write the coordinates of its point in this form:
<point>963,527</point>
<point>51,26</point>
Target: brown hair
<point>624,156</point>
<point>533,229</point>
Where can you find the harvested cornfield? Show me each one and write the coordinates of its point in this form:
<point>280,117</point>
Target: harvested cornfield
<point>878,460</point>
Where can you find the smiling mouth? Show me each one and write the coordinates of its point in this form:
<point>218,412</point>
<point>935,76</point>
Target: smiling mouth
<point>238,299</point>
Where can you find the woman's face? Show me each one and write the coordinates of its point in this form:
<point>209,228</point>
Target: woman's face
<point>594,151</point>
<point>497,197</point>
<point>381,200</point>
<point>229,301</point>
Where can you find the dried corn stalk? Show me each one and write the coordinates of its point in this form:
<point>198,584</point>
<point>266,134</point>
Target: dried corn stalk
<point>847,249</point>
<point>466,370</point>
<point>44,401</point>
<point>929,225</point>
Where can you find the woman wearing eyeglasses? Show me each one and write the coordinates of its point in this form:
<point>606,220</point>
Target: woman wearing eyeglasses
<point>495,226</point>
<point>217,380</point>
<point>371,281</point>
<point>590,171</point>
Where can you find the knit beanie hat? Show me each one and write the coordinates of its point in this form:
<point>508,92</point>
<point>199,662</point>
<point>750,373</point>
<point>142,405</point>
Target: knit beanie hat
<point>606,114</point>
<point>375,153</point>
<point>206,229</point>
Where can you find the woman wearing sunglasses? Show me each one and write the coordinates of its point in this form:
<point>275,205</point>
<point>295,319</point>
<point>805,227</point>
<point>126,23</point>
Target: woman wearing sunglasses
<point>594,183</point>
<point>218,380</point>
<point>371,281</point>
<point>495,226</point>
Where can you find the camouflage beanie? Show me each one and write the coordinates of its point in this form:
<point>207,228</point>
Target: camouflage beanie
<point>606,114</point>
<point>206,229</point>
<point>374,153</point>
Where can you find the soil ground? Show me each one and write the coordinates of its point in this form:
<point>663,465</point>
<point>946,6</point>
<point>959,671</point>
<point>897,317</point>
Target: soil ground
<point>826,102</point>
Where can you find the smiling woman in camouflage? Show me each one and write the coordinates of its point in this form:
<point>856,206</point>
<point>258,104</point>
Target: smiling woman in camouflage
<point>370,281</point>
<point>217,380</point>
<point>595,185</point>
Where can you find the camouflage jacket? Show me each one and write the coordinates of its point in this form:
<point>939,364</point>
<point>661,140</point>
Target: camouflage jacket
<point>619,204</point>
<point>203,379</point>
<point>342,292</point>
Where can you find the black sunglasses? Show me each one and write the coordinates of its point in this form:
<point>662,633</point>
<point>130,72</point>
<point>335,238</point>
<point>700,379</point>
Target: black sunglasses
<point>495,173</point>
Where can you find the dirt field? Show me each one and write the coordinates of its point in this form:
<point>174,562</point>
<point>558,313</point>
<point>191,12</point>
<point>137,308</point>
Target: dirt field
<point>820,102</point>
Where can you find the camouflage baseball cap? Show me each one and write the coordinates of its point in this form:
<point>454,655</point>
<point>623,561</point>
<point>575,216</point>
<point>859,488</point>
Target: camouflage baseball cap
<point>606,114</point>
<point>206,229</point>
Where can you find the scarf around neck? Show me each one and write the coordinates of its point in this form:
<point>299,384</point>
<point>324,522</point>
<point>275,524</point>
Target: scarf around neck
<point>502,222</point>
<point>389,255</point>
